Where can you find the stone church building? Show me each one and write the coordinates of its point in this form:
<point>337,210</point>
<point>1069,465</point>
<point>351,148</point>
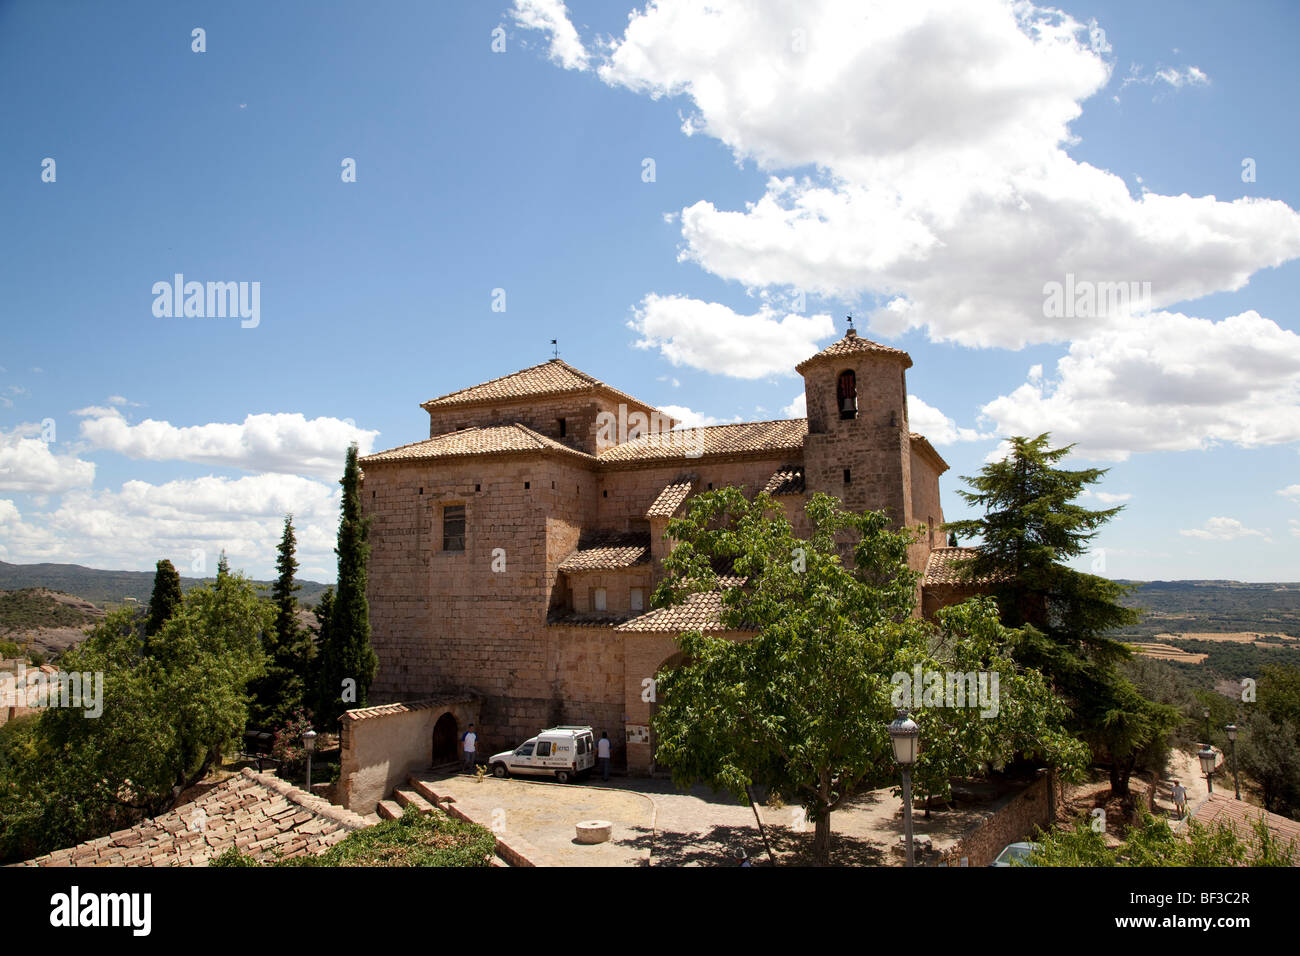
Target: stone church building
<point>515,550</point>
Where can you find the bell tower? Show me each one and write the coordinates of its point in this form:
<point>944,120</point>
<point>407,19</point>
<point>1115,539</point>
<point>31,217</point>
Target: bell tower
<point>858,447</point>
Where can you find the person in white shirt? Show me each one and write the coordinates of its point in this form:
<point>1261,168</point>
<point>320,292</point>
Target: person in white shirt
<point>602,754</point>
<point>1180,799</point>
<point>469,742</point>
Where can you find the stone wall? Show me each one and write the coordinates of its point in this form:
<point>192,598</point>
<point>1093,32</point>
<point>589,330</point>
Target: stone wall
<point>380,746</point>
<point>1010,822</point>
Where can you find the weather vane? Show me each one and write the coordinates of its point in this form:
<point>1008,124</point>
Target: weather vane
<point>556,350</point>
<point>850,318</point>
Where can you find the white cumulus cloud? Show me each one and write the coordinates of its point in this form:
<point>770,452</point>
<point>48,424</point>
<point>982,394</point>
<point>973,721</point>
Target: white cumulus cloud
<point>1165,382</point>
<point>715,338</point>
<point>280,442</point>
<point>1222,529</point>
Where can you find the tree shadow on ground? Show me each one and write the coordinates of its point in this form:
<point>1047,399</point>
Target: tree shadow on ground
<point>717,846</point>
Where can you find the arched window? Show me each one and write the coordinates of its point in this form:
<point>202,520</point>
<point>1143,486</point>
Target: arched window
<point>846,394</point>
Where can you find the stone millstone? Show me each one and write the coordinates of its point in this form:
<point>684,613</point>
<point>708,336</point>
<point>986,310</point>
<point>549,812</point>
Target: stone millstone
<point>594,831</point>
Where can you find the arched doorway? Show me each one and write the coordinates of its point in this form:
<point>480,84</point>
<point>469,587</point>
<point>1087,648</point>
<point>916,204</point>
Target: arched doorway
<point>446,740</point>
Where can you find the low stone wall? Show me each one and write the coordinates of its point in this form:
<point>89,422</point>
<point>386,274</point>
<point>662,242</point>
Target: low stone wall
<point>381,746</point>
<point>1010,822</point>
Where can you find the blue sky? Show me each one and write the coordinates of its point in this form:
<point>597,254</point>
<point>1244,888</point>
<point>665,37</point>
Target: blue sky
<point>928,167</point>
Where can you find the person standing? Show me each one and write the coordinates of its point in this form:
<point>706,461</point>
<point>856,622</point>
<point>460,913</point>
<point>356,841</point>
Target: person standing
<point>602,754</point>
<point>1180,799</point>
<point>469,743</point>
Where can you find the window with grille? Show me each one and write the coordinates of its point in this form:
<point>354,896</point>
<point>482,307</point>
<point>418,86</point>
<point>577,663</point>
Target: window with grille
<point>453,528</point>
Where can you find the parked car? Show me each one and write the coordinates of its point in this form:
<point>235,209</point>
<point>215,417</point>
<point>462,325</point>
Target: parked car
<point>1015,851</point>
<point>560,752</point>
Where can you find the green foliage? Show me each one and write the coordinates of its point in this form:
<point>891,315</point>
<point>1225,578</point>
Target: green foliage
<point>9,649</point>
<point>282,690</point>
<point>414,839</point>
<point>802,707</point>
<point>1268,753</point>
<point>232,857</point>
<point>1031,526</point>
<point>1150,842</point>
<point>164,602</point>
<point>166,720</point>
<point>345,648</point>
<point>287,748</point>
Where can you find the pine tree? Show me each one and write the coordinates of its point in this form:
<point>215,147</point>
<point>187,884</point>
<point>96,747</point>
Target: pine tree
<point>1030,527</point>
<point>164,602</point>
<point>223,566</point>
<point>347,654</point>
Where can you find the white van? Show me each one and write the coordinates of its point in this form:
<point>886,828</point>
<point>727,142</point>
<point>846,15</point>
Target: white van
<point>562,752</point>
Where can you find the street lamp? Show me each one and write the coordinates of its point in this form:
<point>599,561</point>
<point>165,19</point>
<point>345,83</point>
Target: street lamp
<point>905,736</point>
<point>1205,712</point>
<point>309,744</point>
<point>1208,757</point>
<point>1232,739</point>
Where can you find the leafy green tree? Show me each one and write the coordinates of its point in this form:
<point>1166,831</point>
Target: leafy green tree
<point>802,707</point>
<point>166,720</point>
<point>281,691</point>
<point>1030,527</point>
<point>1268,753</point>
<point>346,654</point>
<point>163,603</point>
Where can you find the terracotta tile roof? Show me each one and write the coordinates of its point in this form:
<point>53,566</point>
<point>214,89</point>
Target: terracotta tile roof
<point>609,551</point>
<point>1241,817</point>
<point>256,812</point>
<point>550,378</point>
<point>428,703</point>
<point>920,442</point>
<point>945,567</point>
<point>787,481</point>
<point>699,612</point>
<point>671,498</point>
<point>490,440</point>
<point>851,344</point>
<point>776,437</point>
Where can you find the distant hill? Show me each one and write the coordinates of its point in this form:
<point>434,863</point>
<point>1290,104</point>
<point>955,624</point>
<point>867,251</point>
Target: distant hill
<point>110,587</point>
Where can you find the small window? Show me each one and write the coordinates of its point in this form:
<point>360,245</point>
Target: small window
<point>564,428</point>
<point>604,494</point>
<point>846,394</point>
<point>543,748</point>
<point>848,477</point>
<point>476,487</point>
<point>525,751</point>
<point>421,491</point>
<point>453,528</point>
<point>598,602</point>
<point>636,599</point>
<point>527,485</point>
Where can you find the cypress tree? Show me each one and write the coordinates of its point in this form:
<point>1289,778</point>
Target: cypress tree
<point>223,566</point>
<point>280,691</point>
<point>165,600</point>
<point>346,649</point>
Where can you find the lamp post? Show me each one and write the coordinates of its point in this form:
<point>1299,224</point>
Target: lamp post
<point>309,744</point>
<point>905,736</point>
<point>1207,757</point>
<point>1232,739</point>
<point>1205,712</point>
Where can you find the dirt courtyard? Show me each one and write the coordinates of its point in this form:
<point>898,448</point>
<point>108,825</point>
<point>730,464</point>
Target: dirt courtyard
<point>654,824</point>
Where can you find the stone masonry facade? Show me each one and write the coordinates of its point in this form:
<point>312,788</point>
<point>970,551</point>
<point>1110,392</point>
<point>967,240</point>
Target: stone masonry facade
<point>514,552</point>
